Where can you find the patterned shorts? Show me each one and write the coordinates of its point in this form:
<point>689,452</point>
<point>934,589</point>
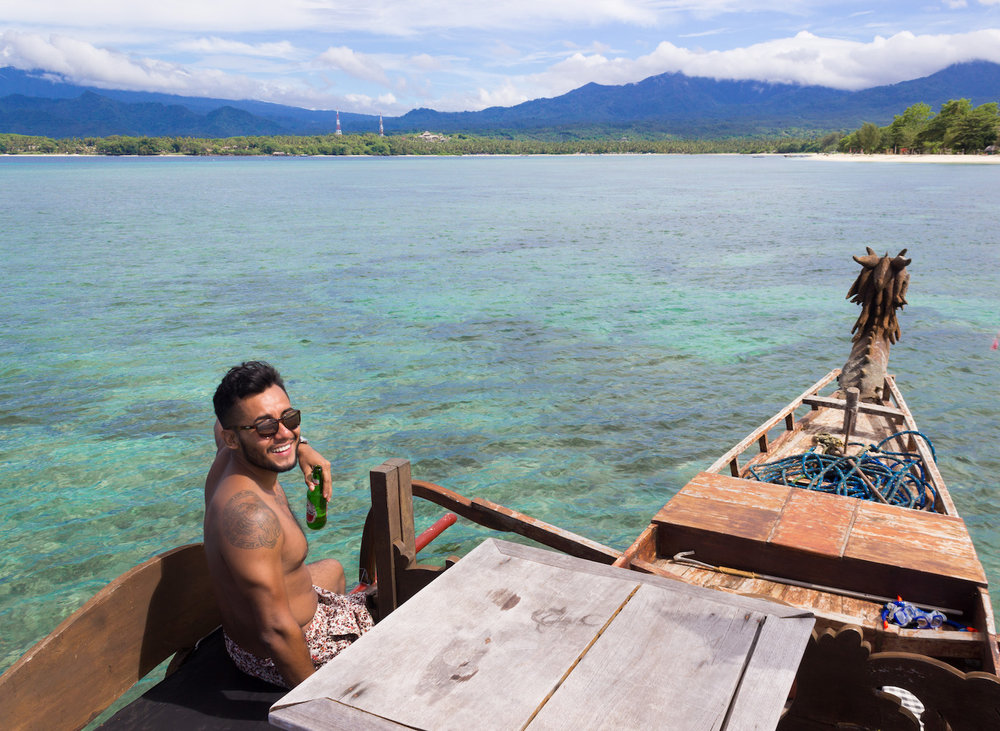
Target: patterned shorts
<point>339,621</point>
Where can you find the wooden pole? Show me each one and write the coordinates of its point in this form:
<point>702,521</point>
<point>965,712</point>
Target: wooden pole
<point>850,413</point>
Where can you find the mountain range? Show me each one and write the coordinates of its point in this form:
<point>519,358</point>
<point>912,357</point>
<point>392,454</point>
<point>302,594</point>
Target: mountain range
<point>32,103</point>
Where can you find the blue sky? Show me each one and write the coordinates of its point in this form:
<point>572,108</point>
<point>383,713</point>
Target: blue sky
<point>390,56</point>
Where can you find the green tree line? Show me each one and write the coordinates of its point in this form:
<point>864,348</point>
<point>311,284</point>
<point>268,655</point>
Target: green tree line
<point>408,144</point>
<point>957,127</point>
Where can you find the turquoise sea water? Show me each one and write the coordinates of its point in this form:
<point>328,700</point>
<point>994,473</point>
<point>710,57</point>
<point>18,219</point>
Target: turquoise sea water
<point>570,336</point>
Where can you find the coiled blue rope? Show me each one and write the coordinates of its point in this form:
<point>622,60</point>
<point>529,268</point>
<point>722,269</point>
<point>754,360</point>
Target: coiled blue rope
<point>898,476</point>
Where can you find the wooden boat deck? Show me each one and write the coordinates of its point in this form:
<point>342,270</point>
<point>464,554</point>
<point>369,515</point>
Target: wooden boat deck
<point>855,554</point>
<point>824,539</point>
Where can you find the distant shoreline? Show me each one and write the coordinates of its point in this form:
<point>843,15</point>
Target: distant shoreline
<point>828,156</point>
<point>859,157</point>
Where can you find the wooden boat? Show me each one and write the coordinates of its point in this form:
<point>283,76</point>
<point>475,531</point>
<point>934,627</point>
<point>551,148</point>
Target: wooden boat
<point>837,556</point>
<point>841,557</point>
<point>846,547</point>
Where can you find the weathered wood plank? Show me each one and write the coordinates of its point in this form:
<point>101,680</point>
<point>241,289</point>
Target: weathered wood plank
<point>864,408</point>
<point>324,713</point>
<point>815,522</point>
<point>927,542</point>
<point>461,637</point>
<point>983,617</point>
<point>643,548</point>
<point>519,618</point>
<point>727,506</point>
<point>833,610</point>
<point>384,487</point>
<point>769,674</point>
<point>530,553</point>
<point>720,519</point>
<point>735,490</point>
<point>654,631</point>
<point>498,517</point>
<point>922,449</point>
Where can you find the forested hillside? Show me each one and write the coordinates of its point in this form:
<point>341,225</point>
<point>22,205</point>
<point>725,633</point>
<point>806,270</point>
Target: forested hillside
<point>666,106</point>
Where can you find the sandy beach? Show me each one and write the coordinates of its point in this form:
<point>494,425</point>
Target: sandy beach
<point>946,159</point>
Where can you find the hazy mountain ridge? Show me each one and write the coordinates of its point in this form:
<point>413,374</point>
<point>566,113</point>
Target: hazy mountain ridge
<point>669,103</point>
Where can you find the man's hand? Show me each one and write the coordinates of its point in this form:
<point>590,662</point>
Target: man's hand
<point>309,458</point>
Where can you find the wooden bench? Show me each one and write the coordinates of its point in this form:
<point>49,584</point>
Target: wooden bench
<point>158,609</point>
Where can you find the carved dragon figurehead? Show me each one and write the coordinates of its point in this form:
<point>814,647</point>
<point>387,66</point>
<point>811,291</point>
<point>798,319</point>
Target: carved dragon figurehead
<point>880,289</point>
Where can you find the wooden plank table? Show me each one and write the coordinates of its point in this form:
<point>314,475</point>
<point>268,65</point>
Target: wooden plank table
<point>515,637</point>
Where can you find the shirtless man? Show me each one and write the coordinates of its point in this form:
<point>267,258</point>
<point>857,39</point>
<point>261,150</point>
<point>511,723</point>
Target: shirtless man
<point>282,617</point>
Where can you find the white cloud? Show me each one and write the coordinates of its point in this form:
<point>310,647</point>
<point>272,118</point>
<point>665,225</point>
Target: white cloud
<point>427,62</point>
<point>492,73</point>
<point>388,17</point>
<point>505,96</point>
<point>359,65</point>
<point>84,64</point>
<point>215,45</point>
<point>802,59</point>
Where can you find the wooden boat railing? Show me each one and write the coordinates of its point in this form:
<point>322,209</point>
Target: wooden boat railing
<point>760,434</point>
<point>896,409</point>
<point>388,546</point>
<point>156,610</point>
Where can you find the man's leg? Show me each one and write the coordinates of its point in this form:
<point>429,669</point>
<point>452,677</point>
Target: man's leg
<point>328,574</point>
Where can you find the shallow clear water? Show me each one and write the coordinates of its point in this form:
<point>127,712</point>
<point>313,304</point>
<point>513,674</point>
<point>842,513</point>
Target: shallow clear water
<point>572,336</point>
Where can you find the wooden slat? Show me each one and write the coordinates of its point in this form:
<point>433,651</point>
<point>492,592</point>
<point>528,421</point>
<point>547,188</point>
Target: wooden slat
<point>653,632</point>
<point>443,676</point>
<point>384,485</point>
<point>771,423</point>
<point>500,638</point>
<point>864,408</point>
<point>984,610</point>
<point>767,672</point>
<point>820,539</point>
<point>325,713</point>
<point>643,548</point>
<point>728,506</point>
<point>834,611</point>
<point>498,517</point>
<point>737,491</point>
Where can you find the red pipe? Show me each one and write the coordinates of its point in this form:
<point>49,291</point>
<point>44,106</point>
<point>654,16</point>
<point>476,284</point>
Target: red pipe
<point>445,521</point>
<point>440,526</point>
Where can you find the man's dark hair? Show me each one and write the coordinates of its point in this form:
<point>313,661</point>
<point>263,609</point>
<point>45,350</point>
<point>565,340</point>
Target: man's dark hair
<point>246,379</point>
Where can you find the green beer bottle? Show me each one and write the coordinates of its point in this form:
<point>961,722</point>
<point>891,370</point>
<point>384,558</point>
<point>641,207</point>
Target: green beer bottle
<point>315,502</point>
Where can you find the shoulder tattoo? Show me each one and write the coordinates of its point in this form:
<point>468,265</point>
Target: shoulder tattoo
<point>248,523</point>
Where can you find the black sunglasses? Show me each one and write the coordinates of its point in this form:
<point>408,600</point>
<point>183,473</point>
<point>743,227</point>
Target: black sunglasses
<point>268,427</point>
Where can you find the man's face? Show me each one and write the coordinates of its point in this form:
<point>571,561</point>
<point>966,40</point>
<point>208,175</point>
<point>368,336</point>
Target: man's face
<point>277,453</point>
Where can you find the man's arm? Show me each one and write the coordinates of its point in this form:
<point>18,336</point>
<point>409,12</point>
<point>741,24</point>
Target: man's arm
<point>251,546</point>
<point>308,458</point>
